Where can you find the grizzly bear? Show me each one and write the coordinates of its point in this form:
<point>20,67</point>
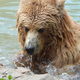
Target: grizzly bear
<point>47,35</point>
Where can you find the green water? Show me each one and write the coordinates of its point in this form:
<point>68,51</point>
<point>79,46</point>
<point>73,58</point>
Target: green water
<point>9,45</point>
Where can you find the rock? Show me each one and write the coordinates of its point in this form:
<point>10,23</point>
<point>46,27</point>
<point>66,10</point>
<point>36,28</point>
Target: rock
<point>36,77</point>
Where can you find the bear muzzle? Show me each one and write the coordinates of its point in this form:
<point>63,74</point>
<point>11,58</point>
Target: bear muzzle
<point>30,50</point>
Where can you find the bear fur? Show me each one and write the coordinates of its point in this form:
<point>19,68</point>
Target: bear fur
<point>61,40</point>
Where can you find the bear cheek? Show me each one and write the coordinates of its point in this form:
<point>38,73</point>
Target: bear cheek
<point>42,43</point>
<point>22,37</point>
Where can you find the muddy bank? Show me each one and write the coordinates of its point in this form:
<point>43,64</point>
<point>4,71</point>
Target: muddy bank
<point>20,73</point>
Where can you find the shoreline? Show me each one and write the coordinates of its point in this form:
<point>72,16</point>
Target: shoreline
<point>20,73</point>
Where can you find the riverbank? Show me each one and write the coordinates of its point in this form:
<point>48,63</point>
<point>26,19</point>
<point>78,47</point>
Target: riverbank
<point>20,73</point>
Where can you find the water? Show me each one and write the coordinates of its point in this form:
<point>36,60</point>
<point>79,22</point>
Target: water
<point>8,33</point>
<point>9,45</point>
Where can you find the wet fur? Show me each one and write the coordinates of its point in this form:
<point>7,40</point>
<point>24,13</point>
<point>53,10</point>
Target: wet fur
<point>63,36</point>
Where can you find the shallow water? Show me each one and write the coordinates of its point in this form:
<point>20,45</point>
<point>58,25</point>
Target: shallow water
<point>8,33</point>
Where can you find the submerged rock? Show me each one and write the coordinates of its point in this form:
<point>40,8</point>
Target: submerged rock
<point>20,73</point>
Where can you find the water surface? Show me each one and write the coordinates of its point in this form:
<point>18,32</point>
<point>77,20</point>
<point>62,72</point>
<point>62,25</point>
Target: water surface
<point>9,45</point>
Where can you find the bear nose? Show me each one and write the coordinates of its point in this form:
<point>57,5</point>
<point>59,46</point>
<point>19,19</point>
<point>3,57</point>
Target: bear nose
<point>30,51</point>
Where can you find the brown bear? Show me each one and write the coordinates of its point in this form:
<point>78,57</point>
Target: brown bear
<point>47,35</point>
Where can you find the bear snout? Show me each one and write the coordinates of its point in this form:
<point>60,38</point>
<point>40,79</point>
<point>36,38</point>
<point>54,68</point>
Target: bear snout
<point>30,50</point>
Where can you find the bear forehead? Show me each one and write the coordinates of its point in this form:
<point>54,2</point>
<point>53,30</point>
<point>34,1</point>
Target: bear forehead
<point>38,15</point>
<point>36,11</point>
<point>38,19</point>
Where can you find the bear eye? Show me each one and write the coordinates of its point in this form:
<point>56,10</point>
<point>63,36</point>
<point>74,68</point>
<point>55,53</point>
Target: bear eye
<point>26,29</point>
<point>41,30</point>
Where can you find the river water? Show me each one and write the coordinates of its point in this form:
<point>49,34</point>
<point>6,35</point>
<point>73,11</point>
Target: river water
<point>9,44</point>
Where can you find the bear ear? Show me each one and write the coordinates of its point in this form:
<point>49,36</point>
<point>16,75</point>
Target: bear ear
<point>58,3</point>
